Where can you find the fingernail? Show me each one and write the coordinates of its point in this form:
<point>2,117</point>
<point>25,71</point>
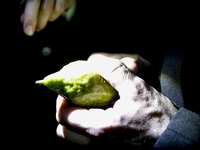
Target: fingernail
<point>29,30</point>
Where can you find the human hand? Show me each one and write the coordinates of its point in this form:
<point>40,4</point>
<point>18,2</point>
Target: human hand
<point>37,13</point>
<point>140,114</point>
<point>137,65</point>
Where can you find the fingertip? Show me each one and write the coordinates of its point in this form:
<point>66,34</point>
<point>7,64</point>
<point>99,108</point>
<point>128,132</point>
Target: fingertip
<point>60,131</point>
<point>52,18</point>
<point>74,137</point>
<point>61,103</point>
<point>38,29</point>
<point>28,30</point>
<point>30,16</point>
<point>41,24</point>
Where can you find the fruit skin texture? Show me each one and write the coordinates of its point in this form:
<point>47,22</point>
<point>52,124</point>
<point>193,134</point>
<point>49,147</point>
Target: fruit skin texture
<point>87,89</point>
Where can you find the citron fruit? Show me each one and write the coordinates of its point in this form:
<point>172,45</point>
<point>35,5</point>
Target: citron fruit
<point>80,84</point>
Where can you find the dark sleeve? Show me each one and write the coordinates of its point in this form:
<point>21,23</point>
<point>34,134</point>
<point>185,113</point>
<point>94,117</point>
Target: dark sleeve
<point>182,132</point>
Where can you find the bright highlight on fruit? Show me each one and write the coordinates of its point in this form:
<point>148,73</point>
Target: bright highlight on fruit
<point>81,85</point>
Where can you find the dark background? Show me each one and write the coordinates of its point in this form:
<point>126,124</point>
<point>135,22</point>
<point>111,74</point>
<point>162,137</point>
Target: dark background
<point>148,29</point>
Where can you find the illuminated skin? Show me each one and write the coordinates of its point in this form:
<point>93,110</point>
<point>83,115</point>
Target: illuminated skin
<point>140,114</point>
<point>37,13</point>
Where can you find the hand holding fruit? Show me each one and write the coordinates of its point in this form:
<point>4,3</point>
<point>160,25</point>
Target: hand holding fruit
<point>81,83</point>
<point>140,114</point>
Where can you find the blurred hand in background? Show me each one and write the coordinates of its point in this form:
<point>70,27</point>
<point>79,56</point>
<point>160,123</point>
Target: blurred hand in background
<point>37,13</point>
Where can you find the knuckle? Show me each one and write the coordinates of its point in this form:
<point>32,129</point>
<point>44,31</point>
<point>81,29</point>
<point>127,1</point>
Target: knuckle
<point>132,64</point>
<point>139,82</point>
<point>96,132</point>
<point>120,68</point>
<point>59,8</point>
<point>33,0</point>
<point>48,6</point>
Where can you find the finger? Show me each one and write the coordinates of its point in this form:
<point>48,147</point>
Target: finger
<point>130,60</point>
<point>118,75</point>
<point>115,55</point>
<point>72,136</point>
<point>60,6</point>
<point>30,16</point>
<point>61,104</point>
<point>95,122</point>
<point>132,64</point>
<point>44,14</point>
<point>113,70</point>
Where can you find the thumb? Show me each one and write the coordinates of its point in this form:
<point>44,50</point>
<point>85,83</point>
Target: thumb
<point>115,72</point>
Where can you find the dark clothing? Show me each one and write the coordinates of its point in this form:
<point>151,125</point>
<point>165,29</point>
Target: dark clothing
<point>182,132</point>
<point>171,77</point>
<point>184,128</point>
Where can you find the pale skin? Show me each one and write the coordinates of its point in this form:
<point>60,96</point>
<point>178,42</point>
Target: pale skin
<point>37,13</point>
<point>141,113</point>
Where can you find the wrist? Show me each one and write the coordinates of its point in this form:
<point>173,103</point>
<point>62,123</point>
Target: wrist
<point>164,111</point>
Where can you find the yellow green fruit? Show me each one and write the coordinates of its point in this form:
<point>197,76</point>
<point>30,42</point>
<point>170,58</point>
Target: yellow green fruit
<point>81,85</point>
